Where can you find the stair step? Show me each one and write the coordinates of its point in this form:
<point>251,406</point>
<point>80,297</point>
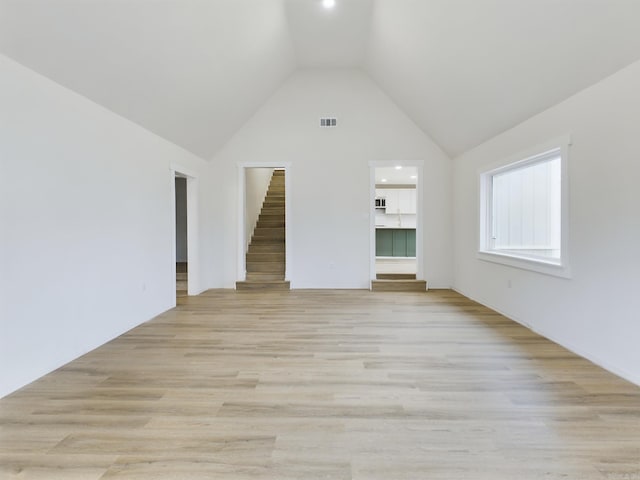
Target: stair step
<point>270,285</point>
<point>181,285</point>
<point>276,232</point>
<point>181,267</point>
<point>396,276</point>
<point>266,267</point>
<point>270,224</point>
<point>264,276</point>
<point>265,257</point>
<point>261,240</point>
<point>181,275</point>
<point>272,212</point>
<point>398,285</point>
<point>267,248</point>
<point>271,218</point>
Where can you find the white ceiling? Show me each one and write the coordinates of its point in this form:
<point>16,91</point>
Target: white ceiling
<point>466,70</point>
<point>395,176</point>
<point>194,71</point>
<point>329,38</point>
<point>191,71</point>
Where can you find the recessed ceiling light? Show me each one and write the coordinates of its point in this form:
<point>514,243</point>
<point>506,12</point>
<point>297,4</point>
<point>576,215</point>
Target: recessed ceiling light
<point>328,4</point>
<point>383,180</point>
<point>398,167</point>
<point>414,177</point>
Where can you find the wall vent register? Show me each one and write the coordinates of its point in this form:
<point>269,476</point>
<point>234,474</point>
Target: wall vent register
<point>328,122</point>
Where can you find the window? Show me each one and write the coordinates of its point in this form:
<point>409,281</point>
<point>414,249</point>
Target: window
<point>524,212</point>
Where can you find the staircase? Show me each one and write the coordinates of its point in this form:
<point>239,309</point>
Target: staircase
<point>181,279</point>
<point>266,254</point>
<point>398,282</point>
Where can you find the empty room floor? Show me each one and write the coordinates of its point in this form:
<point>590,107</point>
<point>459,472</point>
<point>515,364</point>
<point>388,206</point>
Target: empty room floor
<point>324,384</point>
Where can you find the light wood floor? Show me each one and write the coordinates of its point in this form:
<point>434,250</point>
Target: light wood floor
<point>324,385</point>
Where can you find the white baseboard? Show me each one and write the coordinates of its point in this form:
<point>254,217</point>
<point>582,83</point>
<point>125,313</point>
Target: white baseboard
<point>620,372</point>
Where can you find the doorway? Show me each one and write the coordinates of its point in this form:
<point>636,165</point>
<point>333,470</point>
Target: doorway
<point>396,223</point>
<point>182,248</point>
<point>184,201</point>
<point>263,219</point>
<point>263,226</point>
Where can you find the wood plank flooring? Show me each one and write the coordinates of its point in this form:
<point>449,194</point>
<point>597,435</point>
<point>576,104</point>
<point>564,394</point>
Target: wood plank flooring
<point>324,385</point>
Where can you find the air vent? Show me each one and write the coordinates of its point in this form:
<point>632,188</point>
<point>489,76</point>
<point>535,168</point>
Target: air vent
<point>328,122</point>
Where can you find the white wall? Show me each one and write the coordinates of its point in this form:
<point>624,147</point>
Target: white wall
<point>595,313</point>
<point>87,225</point>
<point>330,176</point>
<point>181,220</point>
<point>256,185</point>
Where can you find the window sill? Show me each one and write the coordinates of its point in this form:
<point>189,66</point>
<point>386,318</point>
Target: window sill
<point>526,263</point>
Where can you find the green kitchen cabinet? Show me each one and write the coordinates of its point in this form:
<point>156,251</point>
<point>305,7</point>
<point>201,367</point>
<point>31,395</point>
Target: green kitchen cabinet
<point>399,243</point>
<point>384,243</point>
<point>411,243</point>
<point>395,242</point>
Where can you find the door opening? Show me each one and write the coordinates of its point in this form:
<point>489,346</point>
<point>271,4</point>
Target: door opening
<point>264,240</point>
<point>396,226</point>
<point>182,248</point>
<point>185,255</point>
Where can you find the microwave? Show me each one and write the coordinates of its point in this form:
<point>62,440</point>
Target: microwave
<point>381,202</point>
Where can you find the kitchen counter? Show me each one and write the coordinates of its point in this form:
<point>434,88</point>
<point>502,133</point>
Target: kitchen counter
<point>385,227</point>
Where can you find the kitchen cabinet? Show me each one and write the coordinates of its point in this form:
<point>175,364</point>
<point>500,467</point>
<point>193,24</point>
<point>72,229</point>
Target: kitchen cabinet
<point>384,242</point>
<point>399,243</point>
<point>399,200</point>
<point>395,242</point>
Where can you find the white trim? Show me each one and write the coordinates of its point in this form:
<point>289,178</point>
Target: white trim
<point>182,170</point>
<point>419,165</point>
<point>193,244</point>
<point>525,263</point>
<point>393,163</point>
<point>277,165</point>
<point>193,235</point>
<point>533,155</point>
<point>174,242</point>
<point>372,225</point>
<point>523,155</point>
<point>241,267</point>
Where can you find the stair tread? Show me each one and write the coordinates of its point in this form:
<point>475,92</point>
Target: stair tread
<point>396,276</point>
<point>407,285</point>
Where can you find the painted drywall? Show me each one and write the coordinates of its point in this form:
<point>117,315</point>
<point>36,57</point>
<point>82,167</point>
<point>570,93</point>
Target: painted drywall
<point>256,185</point>
<point>181,220</point>
<point>87,218</point>
<point>595,312</point>
<point>330,176</point>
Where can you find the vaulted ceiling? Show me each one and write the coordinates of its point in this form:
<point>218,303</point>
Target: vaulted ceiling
<point>194,71</point>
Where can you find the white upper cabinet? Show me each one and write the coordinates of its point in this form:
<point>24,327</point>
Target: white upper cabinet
<point>399,200</point>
